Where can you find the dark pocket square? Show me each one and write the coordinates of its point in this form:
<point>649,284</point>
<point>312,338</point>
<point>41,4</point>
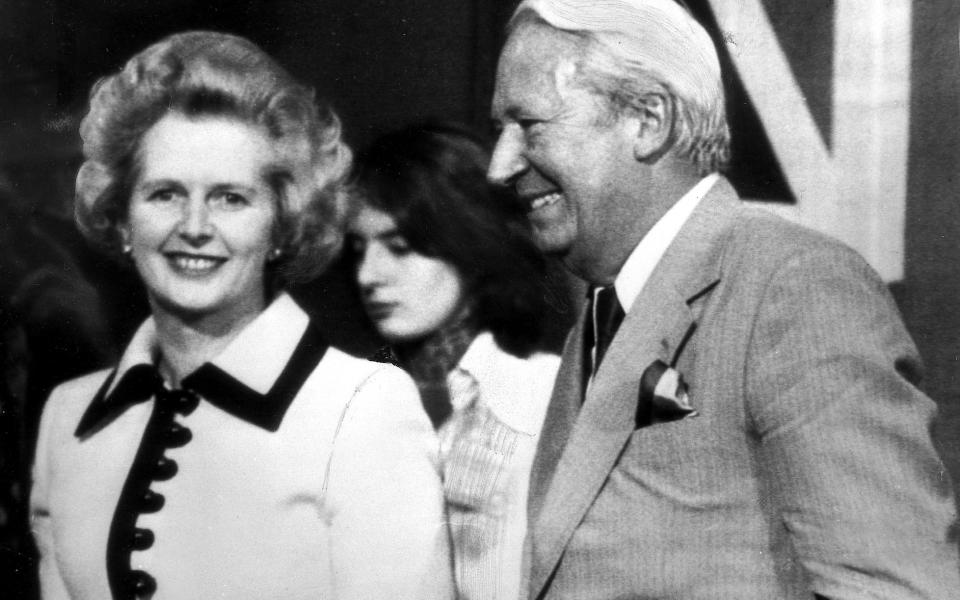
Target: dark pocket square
<point>663,396</point>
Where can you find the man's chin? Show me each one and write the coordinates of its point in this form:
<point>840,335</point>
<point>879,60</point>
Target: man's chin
<point>554,241</point>
<point>552,247</point>
<point>571,257</point>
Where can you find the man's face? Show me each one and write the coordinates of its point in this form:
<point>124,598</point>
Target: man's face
<point>568,161</point>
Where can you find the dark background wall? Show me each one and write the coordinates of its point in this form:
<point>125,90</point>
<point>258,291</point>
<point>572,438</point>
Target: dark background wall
<point>930,294</point>
<point>382,63</point>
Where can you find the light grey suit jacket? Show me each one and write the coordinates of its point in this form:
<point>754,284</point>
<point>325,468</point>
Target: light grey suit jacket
<point>809,468</point>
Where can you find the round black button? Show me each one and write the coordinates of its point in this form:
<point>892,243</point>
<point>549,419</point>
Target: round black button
<point>151,502</point>
<point>185,402</point>
<point>142,539</point>
<point>164,469</point>
<point>141,583</point>
<point>176,435</point>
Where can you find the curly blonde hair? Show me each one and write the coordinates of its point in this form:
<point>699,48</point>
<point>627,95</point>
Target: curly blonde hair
<point>210,74</point>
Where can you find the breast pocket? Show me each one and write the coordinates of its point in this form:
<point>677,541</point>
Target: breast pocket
<point>693,460</point>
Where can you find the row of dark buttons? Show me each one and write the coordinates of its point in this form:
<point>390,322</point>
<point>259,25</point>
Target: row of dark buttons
<point>173,435</point>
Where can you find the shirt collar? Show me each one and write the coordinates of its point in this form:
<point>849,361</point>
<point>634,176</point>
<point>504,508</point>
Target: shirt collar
<point>644,259</point>
<point>255,378</point>
<point>499,379</point>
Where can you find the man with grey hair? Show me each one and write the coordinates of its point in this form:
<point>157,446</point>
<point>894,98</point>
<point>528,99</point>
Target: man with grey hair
<point>753,430</point>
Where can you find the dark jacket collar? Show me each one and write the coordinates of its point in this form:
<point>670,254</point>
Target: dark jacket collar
<point>255,378</point>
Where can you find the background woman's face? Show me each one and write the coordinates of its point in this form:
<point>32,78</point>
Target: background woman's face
<point>201,216</point>
<point>407,295</point>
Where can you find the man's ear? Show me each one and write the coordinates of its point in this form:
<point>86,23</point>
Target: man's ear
<point>654,131</point>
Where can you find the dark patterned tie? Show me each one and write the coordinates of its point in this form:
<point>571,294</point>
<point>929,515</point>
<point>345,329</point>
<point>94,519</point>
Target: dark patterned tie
<point>608,315</point>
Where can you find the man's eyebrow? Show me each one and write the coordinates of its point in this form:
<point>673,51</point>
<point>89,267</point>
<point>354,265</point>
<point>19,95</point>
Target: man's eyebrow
<point>515,113</point>
<point>387,234</point>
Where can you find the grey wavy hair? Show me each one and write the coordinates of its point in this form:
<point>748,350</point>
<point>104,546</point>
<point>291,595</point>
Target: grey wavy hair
<point>632,48</point>
<point>208,74</point>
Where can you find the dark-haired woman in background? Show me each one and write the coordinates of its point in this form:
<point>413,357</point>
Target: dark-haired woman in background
<point>232,453</point>
<point>451,279</point>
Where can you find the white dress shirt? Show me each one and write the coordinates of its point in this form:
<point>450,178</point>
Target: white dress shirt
<point>638,267</point>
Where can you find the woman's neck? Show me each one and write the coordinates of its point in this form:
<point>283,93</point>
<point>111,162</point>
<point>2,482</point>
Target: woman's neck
<point>436,355</point>
<point>186,342</point>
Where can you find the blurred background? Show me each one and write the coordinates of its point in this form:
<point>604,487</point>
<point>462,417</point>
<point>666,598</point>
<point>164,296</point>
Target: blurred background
<point>845,115</point>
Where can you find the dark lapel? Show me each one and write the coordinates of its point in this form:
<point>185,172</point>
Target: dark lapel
<point>585,446</point>
<point>221,389</point>
<point>295,345</point>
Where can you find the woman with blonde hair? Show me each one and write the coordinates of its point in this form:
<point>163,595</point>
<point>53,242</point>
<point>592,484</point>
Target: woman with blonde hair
<point>232,452</point>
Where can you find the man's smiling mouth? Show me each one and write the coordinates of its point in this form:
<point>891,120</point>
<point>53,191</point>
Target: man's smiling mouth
<point>541,201</point>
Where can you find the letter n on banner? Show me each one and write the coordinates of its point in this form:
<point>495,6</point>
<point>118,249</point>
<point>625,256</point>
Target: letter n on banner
<point>854,187</point>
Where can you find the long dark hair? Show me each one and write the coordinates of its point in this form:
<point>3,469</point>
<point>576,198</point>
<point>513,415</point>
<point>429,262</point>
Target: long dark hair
<point>431,178</point>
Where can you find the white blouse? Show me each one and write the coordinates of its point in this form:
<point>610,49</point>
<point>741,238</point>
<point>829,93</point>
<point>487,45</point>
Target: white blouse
<point>488,445</point>
<point>342,500</point>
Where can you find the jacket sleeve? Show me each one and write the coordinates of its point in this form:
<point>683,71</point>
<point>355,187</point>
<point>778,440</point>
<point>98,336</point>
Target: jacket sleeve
<point>52,586</point>
<point>389,537</point>
<point>831,389</point>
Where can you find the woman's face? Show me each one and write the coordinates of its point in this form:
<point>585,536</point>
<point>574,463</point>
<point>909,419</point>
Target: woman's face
<point>201,216</point>
<point>407,295</point>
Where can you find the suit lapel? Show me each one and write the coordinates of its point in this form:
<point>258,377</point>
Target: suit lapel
<point>560,418</point>
<point>578,451</point>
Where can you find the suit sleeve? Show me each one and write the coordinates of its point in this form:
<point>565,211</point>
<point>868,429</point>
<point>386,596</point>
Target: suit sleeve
<point>52,586</point>
<point>389,537</point>
<point>831,389</point>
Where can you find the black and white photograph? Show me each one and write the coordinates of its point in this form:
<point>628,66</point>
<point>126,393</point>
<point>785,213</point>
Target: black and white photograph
<point>480,299</point>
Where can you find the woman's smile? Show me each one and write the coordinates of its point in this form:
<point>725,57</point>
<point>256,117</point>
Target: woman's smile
<point>194,265</point>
